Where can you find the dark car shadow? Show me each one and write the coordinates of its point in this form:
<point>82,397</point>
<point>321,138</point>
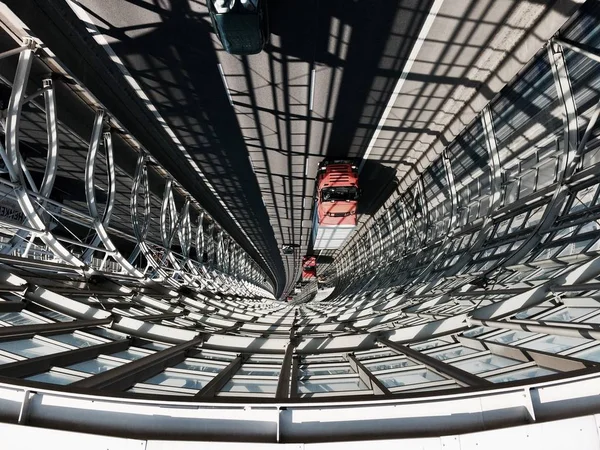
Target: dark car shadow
<point>377,182</point>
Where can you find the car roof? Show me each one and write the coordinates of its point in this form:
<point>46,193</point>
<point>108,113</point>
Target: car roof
<point>239,33</point>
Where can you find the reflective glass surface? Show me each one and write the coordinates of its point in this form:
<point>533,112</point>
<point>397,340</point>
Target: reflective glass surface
<point>31,348</point>
<point>181,380</point>
<point>409,377</point>
<point>96,365</point>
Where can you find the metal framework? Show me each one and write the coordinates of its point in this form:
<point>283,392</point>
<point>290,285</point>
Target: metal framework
<point>473,293</point>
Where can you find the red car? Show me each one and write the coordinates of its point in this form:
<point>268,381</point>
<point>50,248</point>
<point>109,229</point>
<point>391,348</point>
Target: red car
<point>337,193</point>
<point>309,267</point>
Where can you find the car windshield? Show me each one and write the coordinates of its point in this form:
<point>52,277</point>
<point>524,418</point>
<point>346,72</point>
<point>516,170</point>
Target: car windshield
<point>240,33</point>
<point>339,194</point>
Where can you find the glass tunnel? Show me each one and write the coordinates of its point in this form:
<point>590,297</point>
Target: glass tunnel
<point>463,311</point>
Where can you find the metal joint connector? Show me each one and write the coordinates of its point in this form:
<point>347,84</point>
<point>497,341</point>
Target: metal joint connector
<point>30,43</point>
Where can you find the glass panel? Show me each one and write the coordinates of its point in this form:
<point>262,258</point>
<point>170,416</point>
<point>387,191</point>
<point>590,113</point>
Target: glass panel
<point>340,385</point>
<point>521,375</point>
<point>485,363</point>
<point>517,222</point>
<point>324,358</point>
<point>180,380</point>
<point>589,227</point>
<point>4,360</point>
<point>31,348</point>
<point>511,336</point>
<point>532,311</point>
<point>546,173</point>
<point>130,354</point>
<point>428,344</point>
<point>19,318</point>
<point>575,248</point>
<point>200,366</point>
<point>217,356</point>
<point>409,377</point>
<point>548,253</point>
<point>591,354</point>
<point>371,355</point>
<point>452,353</point>
<point>392,364</point>
<point>97,365</point>
<point>527,184</point>
<point>565,232</point>
<point>477,331</point>
<point>593,319</point>
<point>595,246</point>
<point>536,216</point>
<point>568,314</point>
<point>583,198</point>
<point>436,388</point>
<point>59,317</point>
<point>54,377</point>
<point>251,386</point>
<point>137,389</point>
<point>109,334</point>
<point>555,344</point>
<point>258,371</point>
<point>75,340</point>
<point>155,346</point>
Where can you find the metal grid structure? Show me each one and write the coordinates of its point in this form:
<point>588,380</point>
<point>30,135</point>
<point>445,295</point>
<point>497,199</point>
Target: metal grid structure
<point>475,293</point>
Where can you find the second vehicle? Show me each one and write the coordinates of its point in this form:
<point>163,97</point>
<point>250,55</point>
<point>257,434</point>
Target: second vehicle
<point>336,203</point>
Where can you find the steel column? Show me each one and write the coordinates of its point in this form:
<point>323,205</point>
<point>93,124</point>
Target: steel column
<point>100,224</point>
<point>294,375</point>
<point>13,159</point>
<point>283,384</point>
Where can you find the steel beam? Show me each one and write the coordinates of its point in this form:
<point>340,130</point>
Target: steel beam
<point>295,374</point>
<point>459,375</point>
<point>579,48</point>
<point>32,366</point>
<point>453,192</point>
<point>585,331</point>
<point>14,51</point>
<point>366,376</point>
<point>283,384</point>
<point>487,122</point>
<point>155,317</point>
<point>222,378</point>
<point>560,363</point>
<point>27,331</point>
<point>567,99</point>
<point>123,377</point>
<point>6,306</point>
<point>420,192</point>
